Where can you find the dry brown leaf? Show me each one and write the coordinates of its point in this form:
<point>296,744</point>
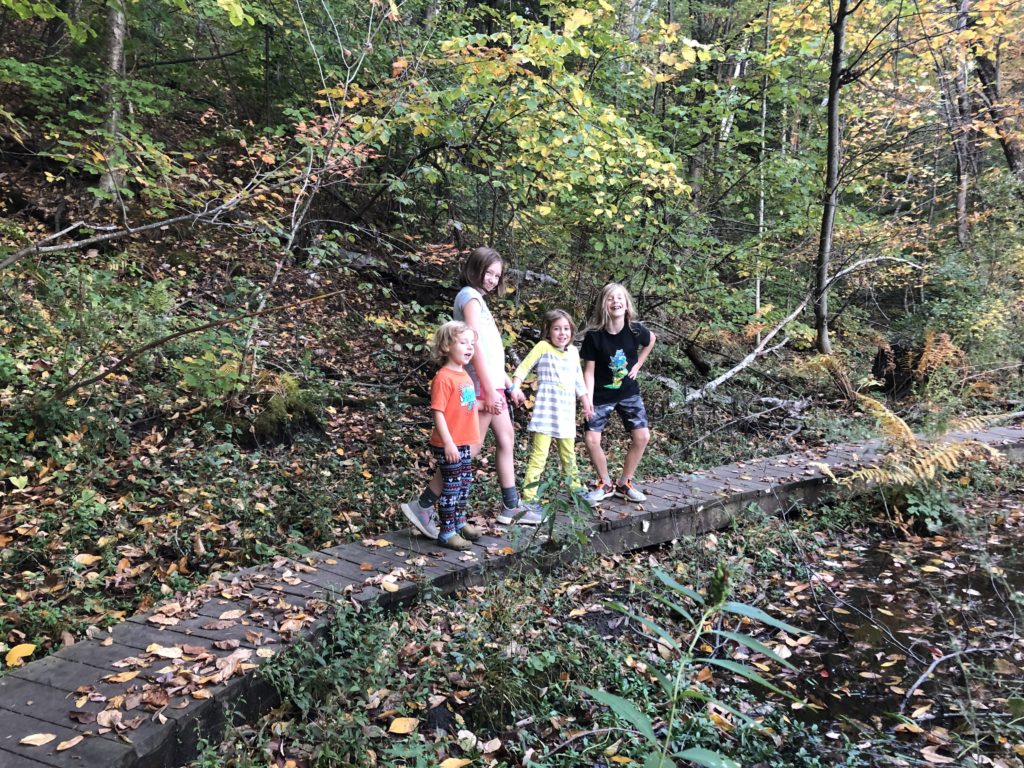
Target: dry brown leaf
<point>165,652</point>
<point>38,739</point>
<point>455,762</point>
<point>232,614</point>
<point>86,559</point>
<point>70,742</point>
<point>931,754</point>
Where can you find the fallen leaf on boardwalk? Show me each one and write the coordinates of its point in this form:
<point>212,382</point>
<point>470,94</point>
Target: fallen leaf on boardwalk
<point>87,560</point>
<point>365,567</point>
<point>85,718</point>
<point>931,754</point>
<point>38,739</point>
<point>69,743</point>
<point>166,621</point>
<point>165,652</point>
<point>264,653</point>
<point>389,585</point>
<point>226,645</point>
<point>237,613</point>
<point>108,718</point>
<point>121,677</point>
<point>16,656</point>
<point>376,543</point>
<point>202,694</point>
<point>220,625</point>
<point>403,725</point>
<point>455,762</point>
<point>156,698</point>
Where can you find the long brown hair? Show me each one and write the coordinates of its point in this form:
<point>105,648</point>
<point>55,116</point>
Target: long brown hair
<point>477,264</point>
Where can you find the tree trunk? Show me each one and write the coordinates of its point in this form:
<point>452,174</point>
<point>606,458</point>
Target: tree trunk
<point>117,30</point>
<point>988,74</point>
<point>961,128</point>
<point>831,192</point>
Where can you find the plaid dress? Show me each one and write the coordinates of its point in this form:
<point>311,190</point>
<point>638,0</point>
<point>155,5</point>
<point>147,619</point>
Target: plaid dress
<point>559,383</point>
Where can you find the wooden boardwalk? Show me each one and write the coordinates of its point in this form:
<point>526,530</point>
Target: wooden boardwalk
<point>146,693</point>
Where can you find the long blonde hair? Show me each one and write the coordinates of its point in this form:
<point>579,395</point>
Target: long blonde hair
<point>599,319</point>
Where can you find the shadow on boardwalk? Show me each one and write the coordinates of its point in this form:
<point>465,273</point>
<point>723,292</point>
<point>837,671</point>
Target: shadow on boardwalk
<point>147,692</point>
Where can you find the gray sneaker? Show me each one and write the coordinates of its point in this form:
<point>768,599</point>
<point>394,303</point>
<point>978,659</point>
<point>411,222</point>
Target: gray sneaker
<point>423,518</point>
<point>601,492</point>
<point>527,513</point>
<point>626,490</point>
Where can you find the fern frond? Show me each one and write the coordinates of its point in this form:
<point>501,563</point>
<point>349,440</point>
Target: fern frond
<point>893,427</point>
<point>977,423</point>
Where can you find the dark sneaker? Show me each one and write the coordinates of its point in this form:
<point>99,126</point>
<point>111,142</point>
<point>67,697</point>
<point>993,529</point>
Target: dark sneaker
<point>455,542</point>
<point>601,492</point>
<point>470,532</point>
<point>422,517</point>
<point>626,490</point>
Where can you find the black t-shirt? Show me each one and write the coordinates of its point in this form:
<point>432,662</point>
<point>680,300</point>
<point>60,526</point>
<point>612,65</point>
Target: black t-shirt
<point>614,356</point>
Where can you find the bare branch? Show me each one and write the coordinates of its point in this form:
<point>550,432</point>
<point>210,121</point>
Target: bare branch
<point>762,348</point>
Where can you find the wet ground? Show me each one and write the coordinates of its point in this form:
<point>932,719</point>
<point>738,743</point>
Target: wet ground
<point>918,639</point>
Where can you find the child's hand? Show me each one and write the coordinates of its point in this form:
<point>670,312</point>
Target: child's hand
<point>493,403</point>
<point>588,408</point>
<point>634,371</point>
<point>451,452</point>
<point>517,396</point>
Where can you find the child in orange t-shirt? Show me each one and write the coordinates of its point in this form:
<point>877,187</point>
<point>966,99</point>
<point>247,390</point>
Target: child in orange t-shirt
<point>453,405</point>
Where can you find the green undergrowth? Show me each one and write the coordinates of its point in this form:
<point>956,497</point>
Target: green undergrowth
<point>500,674</point>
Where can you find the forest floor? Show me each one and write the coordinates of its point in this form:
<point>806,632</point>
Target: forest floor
<point>910,654</point>
<point>117,494</point>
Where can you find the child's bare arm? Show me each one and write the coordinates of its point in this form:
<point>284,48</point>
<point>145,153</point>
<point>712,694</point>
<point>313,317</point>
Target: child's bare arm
<point>451,450</point>
<point>642,356</point>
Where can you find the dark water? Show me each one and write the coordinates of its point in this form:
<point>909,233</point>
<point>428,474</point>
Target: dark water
<point>883,612</point>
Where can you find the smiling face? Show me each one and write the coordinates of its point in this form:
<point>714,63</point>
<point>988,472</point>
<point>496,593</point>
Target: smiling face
<point>461,350</point>
<point>492,276</point>
<point>560,334</point>
<point>615,304</point>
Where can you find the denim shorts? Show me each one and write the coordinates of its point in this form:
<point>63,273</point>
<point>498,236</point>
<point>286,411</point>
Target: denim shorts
<point>630,409</point>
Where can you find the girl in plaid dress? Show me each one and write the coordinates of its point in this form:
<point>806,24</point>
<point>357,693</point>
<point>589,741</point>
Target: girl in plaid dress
<point>559,384</point>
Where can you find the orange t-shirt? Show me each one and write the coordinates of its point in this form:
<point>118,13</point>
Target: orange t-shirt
<point>453,394</point>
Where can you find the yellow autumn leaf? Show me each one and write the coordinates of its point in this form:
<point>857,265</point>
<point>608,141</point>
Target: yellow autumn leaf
<point>38,739</point>
<point>389,586</point>
<point>455,762</point>
<point>15,657</point>
<point>403,725</point>
<point>621,759</point>
<point>164,652</point>
<point>86,559</point>
<point>122,677</point>
<point>580,17</point>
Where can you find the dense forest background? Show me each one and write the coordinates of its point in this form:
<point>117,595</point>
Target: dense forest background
<point>228,229</point>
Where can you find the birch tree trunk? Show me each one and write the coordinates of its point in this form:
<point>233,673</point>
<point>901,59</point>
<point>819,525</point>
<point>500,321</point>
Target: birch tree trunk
<point>831,191</point>
<point>117,31</point>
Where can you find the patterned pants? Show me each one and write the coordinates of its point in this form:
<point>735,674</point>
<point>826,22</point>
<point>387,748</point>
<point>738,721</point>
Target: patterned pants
<point>539,457</point>
<point>457,477</point>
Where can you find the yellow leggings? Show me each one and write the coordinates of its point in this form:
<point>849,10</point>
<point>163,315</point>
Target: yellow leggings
<point>539,457</point>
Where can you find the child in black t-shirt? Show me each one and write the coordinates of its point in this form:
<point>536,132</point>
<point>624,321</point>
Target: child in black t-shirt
<point>614,349</point>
